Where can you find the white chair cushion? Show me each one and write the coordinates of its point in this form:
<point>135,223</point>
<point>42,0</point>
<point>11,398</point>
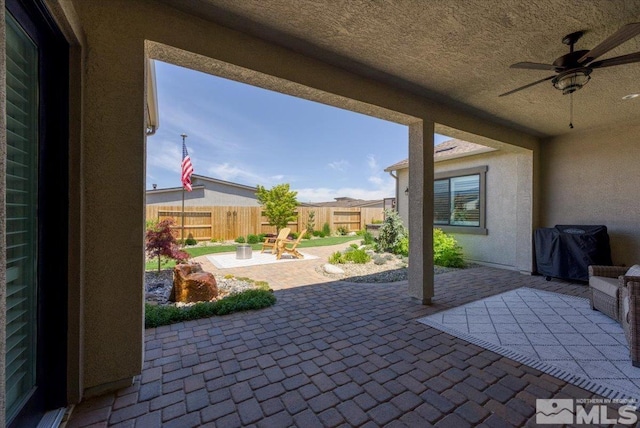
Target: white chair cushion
<point>608,286</point>
<point>633,271</point>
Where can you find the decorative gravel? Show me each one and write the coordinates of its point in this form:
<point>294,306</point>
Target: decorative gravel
<point>395,269</point>
<point>158,286</point>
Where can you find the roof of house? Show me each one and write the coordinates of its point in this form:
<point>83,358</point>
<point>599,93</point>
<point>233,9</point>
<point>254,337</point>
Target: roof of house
<point>446,150</point>
<point>205,178</point>
<point>346,202</point>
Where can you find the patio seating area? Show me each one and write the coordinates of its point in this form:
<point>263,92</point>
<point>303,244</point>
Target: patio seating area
<point>331,354</point>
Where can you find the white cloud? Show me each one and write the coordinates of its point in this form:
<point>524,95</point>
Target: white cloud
<point>340,165</point>
<point>384,188</point>
<point>373,164</point>
<point>243,175</point>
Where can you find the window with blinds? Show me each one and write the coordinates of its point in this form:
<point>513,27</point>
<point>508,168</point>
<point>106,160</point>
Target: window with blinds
<point>457,201</point>
<point>21,210</point>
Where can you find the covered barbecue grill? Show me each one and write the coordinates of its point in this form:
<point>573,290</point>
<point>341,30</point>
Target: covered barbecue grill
<point>566,251</point>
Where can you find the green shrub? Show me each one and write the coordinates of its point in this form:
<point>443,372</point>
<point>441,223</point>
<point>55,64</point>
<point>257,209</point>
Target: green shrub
<point>319,233</point>
<point>155,316</point>
<point>361,232</point>
<point>326,229</point>
<point>368,239</point>
<point>252,239</point>
<point>190,240</point>
<point>336,258</point>
<point>358,255</point>
<point>342,230</point>
<point>311,222</point>
<point>240,240</point>
<point>307,235</point>
<point>294,235</point>
<point>446,251</point>
<point>261,237</point>
<point>391,232</point>
<point>403,246</point>
<point>376,221</point>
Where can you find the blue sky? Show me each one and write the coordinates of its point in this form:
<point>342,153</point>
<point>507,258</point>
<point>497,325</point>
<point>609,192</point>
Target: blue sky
<point>248,135</point>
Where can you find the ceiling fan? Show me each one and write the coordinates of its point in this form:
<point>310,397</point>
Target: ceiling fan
<point>573,69</point>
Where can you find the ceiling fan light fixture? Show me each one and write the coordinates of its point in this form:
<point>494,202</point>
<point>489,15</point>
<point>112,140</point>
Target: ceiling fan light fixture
<point>572,80</point>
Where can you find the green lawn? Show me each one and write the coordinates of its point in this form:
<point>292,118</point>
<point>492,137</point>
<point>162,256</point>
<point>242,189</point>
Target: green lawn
<point>201,251</point>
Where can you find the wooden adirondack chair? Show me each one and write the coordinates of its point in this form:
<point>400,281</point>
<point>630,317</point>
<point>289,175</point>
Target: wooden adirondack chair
<point>272,243</point>
<point>288,248</point>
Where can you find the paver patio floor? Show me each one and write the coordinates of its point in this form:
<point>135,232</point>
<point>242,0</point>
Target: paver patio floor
<point>333,354</point>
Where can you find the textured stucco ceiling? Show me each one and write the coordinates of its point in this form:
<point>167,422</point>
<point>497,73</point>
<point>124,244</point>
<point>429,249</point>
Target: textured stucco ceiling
<point>456,51</point>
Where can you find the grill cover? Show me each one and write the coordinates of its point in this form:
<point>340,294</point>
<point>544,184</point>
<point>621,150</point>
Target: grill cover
<point>566,251</point>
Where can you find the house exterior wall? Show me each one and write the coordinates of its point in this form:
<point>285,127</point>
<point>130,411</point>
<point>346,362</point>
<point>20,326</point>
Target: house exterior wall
<point>107,176</point>
<point>213,194</point>
<point>508,196</point>
<point>402,199</point>
<point>592,177</point>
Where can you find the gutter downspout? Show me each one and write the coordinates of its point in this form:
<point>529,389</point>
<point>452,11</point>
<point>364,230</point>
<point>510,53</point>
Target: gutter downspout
<point>153,119</point>
<point>397,190</point>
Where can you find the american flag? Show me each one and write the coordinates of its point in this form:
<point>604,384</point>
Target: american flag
<point>187,168</point>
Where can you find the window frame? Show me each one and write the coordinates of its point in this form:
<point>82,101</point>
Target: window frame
<point>481,171</point>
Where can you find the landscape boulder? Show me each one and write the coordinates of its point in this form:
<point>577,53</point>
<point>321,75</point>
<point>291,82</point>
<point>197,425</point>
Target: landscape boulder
<point>332,269</point>
<point>191,284</point>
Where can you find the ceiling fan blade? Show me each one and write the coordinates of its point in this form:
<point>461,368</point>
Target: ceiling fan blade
<point>533,66</point>
<point>618,60</point>
<point>622,35</point>
<point>527,86</point>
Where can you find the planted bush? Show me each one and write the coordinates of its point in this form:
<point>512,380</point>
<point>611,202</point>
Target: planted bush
<point>160,242</point>
<point>391,232</point>
<point>336,258</point>
<point>319,233</point>
<point>359,256</point>
<point>368,239</point>
<point>446,251</point>
<point>190,240</point>
<point>240,240</point>
<point>326,229</point>
<point>155,316</point>
<point>253,239</point>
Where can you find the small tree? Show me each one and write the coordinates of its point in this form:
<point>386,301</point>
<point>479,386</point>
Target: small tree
<point>160,242</point>
<point>279,204</point>
<point>391,232</point>
<point>311,222</point>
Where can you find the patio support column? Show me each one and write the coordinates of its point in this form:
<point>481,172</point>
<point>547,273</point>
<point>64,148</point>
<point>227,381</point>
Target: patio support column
<point>421,211</point>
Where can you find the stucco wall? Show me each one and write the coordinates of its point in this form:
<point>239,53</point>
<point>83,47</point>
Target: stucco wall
<point>509,214</point>
<point>402,199</point>
<point>498,247</point>
<point>593,177</point>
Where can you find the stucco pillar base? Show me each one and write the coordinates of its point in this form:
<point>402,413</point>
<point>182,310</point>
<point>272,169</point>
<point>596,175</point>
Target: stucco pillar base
<point>107,387</point>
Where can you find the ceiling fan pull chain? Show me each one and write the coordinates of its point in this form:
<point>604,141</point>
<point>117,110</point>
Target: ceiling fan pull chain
<point>571,110</point>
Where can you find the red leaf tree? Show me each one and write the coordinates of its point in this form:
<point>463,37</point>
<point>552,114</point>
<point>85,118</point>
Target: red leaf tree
<point>160,242</point>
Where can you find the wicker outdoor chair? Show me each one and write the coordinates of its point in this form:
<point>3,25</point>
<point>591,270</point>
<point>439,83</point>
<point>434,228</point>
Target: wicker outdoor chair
<point>630,314</point>
<point>604,289</point>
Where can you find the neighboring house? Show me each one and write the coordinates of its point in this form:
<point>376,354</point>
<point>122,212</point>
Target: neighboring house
<point>206,191</point>
<point>346,202</point>
<point>74,146</point>
<point>476,198</point>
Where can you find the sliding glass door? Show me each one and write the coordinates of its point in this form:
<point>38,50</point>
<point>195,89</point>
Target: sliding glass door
<point>21,215</point>
<point>36,213</point>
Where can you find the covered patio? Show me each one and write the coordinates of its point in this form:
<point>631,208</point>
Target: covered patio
<point>332,354</point>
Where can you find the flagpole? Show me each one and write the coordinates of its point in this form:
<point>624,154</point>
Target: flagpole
<point>183,138</point>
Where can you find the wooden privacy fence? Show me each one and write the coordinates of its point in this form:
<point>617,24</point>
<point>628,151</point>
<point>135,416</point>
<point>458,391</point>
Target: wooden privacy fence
<point>227,223</point>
